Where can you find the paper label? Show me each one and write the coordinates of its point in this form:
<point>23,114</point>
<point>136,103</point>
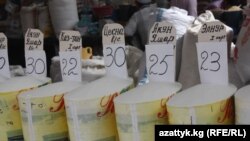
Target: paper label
<point>4,59</point>
<point>160,62</point>
<point>213,62</point>
<point>34,39</point>
<point>36,64</point>
<point>113,34</point>
<point>114,50</point>
<point>70,63</point>
<point>212,32</point>
<point>43,113</point>
<point>162,33</point>
<point>218,113</point>
<point>70,41</point>
<point>115,60</point>
<point>70,55</point>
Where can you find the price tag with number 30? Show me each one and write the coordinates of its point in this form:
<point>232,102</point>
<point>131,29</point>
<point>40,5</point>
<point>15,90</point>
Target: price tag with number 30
<point>36,63</point>
<point>115,59</point>
<point>35,57</point>
<point>114,50</point>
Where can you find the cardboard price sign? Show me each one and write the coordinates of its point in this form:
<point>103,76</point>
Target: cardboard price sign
<point>212,53</point>
<point>35,57</point>
<point>33,39</point>
<point>114,50</point>
<point>160,53</point>
<point>212,32</point>
<point>36,64</point>
<point>70,41</point>
<point>4,59</point>
<point>162,33</point>
<point>70,55</point>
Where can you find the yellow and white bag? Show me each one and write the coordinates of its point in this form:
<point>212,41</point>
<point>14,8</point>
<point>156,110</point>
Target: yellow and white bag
<point>10,121</point>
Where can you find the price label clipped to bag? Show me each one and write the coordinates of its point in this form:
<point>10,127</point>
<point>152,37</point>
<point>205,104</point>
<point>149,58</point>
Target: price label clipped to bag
<point>70,55</point>
<point>212,53</point>
<point>160,53</point>
<point>4,59</point>
<point>114,50</point>
<point>35,57</point>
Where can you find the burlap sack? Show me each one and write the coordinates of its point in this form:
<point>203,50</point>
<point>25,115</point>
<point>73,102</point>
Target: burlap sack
<point>189,73</point>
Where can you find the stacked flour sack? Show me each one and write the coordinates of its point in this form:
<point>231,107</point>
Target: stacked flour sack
<point>189,69</point>
<point>211,101</point>
<point>90,108</point>
<point>10,89</point>
<point>140,109</point>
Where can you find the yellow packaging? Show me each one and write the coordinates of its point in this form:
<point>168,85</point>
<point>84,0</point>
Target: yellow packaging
<point>218,113</point>
<point>48,120</point>
<point>137,121</point>
<point>203,104</point>
<point>93,119</point>
<point>139,110</point>
<point>10,123</point>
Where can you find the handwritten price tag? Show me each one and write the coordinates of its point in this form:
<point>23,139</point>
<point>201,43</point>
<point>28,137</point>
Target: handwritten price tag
<point>212,32</point>
<point>212,53</point>
<point>36,63</point>
<point>162,33</point>
<point>115,60</point>
<point>34,39</point>
<point>70,63</point>
<point>70,55</point>
<point>70,41</point>
<point>213,62</point>
<point>160,62</point>
<point>114,50</point>
<point>4,59</point>
<point>160,53</point>
<point>35,58</point>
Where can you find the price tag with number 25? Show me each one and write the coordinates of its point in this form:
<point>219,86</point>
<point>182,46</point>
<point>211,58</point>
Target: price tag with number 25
<point>160,62</point>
